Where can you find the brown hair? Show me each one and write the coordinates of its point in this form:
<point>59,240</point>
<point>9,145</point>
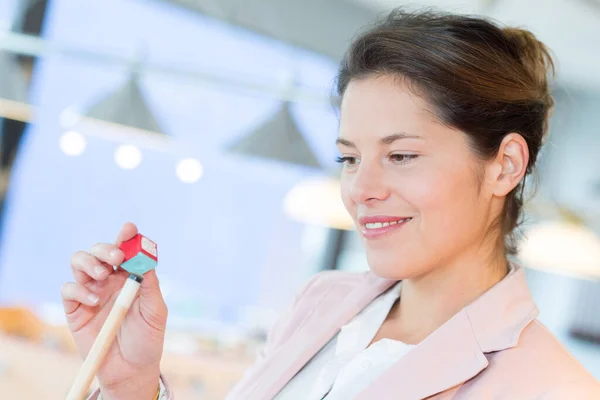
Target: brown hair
<point>480,78</point>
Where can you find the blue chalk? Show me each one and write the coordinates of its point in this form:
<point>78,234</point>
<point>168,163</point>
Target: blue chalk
<point>139,265</point>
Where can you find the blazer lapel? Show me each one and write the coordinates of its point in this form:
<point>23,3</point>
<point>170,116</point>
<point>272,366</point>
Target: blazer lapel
<point>455,352</point>
<point>315,332</point>
<point>432,366</point>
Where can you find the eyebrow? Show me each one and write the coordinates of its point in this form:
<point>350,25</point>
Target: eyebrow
<point>384,141</point>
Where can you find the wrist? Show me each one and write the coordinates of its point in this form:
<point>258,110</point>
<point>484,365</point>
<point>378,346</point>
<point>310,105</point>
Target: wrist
<point>136,388</point>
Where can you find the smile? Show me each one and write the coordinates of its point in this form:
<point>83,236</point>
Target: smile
<point>372,230</point>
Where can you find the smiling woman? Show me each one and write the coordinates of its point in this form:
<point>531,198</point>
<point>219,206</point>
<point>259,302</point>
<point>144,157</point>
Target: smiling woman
<point>442,118</point>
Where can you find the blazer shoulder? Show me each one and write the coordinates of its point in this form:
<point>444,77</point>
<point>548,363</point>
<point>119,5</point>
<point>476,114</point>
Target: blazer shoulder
<point>587,389</point>
<point>319,286</point>
<point>550,368</point>
<point>541,344</point>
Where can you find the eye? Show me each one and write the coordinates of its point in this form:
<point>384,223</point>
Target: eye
<point>347,160</point>
<point>402,158</point>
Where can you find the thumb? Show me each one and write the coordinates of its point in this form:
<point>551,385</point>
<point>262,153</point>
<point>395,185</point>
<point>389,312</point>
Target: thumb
<point>152,303</point>
<point>150,286</point>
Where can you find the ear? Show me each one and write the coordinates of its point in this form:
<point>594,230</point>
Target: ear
<point>510,164</point>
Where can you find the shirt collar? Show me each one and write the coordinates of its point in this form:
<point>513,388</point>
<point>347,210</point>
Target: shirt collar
<point>358,333</point>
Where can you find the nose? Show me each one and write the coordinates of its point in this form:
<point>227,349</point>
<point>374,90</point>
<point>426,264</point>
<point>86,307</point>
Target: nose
<point>367,185</point>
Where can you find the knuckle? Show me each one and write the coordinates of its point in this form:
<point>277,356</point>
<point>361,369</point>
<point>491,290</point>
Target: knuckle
<point>97,249</point>
<point>66,290</point>
<point>102,251</point>
<point>77,258</point>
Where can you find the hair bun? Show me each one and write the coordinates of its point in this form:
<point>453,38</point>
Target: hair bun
<point>537,62</point>
<point>533,54</point>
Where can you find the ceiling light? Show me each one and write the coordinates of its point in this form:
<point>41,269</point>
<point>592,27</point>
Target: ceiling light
<point>72,143</point>
<point>189,170</point>
<point>123,116</point>
<point>128,156</point>
<point>279,139</point>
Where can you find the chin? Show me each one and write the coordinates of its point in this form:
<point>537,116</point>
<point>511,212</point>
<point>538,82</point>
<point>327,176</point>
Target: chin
<point>390,266</point>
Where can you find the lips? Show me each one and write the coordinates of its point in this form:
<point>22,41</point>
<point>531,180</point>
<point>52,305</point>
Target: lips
<point>377,226</point>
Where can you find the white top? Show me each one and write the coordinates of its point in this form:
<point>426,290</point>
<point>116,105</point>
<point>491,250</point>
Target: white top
<point>347,364</point>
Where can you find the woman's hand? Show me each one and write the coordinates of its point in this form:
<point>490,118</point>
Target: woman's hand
<point>131,369</point>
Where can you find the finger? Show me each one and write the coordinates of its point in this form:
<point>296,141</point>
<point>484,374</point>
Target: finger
<point>86,267</point>
<point>74,294</point>
<point>128,231</point>
<point>106,287</point>
<point>107,253</point>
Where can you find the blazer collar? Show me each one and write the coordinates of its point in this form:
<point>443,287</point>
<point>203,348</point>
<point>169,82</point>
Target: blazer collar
<point>452,354</point>
<point>455,352</point>
<point>499,315</point>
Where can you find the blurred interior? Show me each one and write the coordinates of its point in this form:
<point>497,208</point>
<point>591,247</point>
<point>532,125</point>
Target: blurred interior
<point>210,124</point>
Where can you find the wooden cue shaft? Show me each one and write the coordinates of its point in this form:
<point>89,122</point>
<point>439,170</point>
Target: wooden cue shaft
<point>88,370</point>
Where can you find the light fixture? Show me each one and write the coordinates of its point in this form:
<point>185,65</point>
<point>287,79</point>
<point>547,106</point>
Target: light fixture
<point>13,90</point>
<point>280,139</point>
<point>562,247</point>
<point>122,116</point>
<point>189,170</point>
<point>318,201</point>
<point>128,156</point>
<point>72,143</point>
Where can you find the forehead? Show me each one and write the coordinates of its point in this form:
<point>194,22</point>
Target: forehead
<point>384,105</point>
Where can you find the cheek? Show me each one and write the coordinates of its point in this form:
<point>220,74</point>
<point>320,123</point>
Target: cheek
<point>444,197</point>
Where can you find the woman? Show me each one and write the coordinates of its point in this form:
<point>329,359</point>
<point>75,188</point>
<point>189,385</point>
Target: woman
<point>442,118</point>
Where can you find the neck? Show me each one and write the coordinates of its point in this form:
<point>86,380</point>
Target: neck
<point>428,301</point>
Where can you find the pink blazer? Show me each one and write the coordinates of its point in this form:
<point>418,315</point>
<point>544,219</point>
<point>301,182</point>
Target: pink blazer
<point>492,349</point>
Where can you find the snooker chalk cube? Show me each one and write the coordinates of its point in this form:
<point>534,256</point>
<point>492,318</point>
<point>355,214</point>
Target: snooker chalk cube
<point>141,255</point>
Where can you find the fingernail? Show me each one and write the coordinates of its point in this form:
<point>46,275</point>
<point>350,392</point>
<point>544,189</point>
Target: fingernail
<point>93,298</point>
<point>99,271</point>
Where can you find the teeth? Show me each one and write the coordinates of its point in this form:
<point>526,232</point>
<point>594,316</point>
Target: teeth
<point>377,225</point>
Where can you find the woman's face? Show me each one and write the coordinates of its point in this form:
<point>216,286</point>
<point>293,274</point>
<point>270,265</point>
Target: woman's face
<point>412,185</point>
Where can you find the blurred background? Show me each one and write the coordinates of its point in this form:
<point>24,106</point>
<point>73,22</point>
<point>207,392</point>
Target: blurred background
<point>209,123</point>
